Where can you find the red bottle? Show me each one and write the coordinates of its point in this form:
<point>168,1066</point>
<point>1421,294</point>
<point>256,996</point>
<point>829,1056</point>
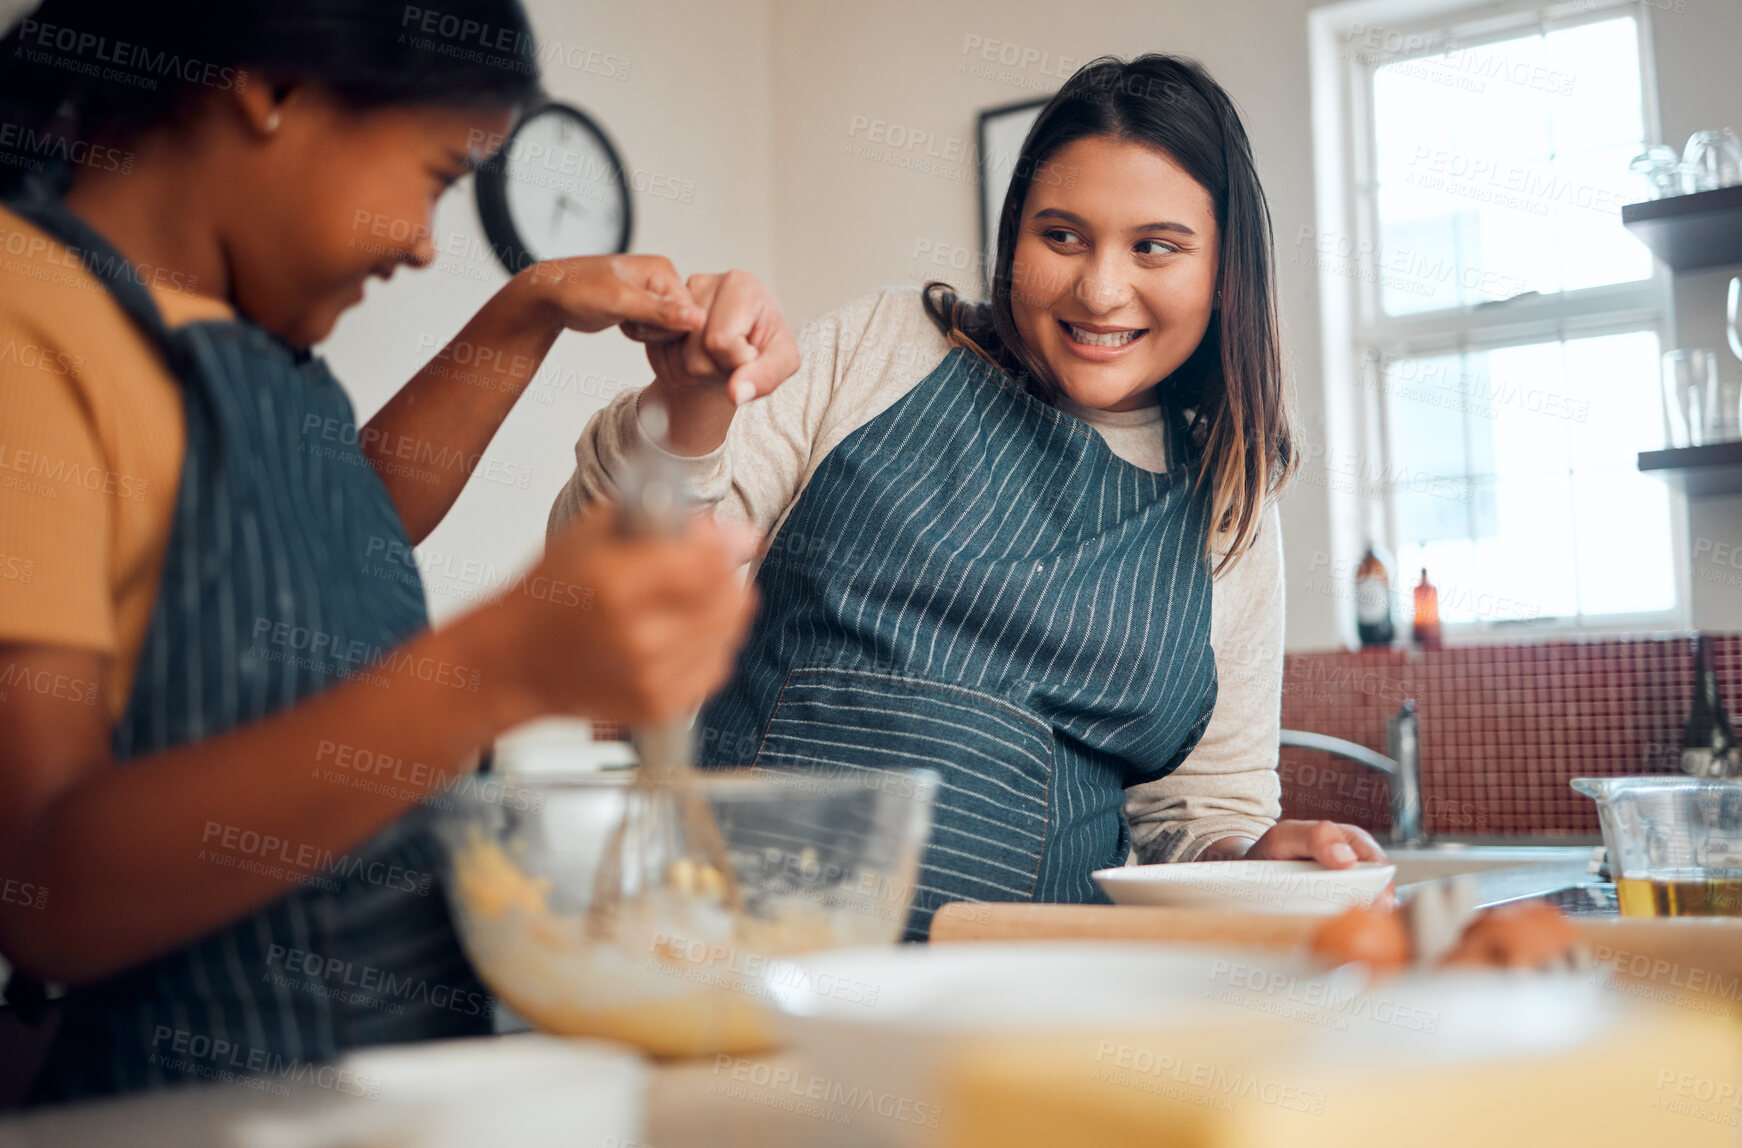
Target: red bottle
<point>1427,614</point>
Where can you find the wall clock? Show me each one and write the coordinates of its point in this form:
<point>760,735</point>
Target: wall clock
<point>556,189</point>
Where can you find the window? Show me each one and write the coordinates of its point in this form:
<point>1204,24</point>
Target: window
<point>1506,326</point>
<point>1521,496</point>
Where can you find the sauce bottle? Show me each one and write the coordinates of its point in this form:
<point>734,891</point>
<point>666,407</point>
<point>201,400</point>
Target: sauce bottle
<point>1427,614</point>
<point>1373,601</point>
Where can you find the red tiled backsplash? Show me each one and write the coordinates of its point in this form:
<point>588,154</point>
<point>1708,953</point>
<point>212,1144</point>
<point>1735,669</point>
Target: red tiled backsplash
<point>1503,728</point>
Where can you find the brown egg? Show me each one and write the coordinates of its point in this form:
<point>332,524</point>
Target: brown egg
<point>1375,937</point>
<point>1525,935</point>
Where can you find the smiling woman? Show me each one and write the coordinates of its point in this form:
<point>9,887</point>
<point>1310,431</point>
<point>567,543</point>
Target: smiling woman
<point>1029,543</point>
<point>1192,252</point>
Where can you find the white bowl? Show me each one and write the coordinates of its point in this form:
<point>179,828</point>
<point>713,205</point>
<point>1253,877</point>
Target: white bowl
<point>1248,886</point>
<point>877,1025</point>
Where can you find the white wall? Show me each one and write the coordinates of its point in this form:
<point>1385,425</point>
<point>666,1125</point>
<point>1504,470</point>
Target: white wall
<point>1700,86</point>
<point>693,105</point>
<point>761,104</point>
<point>756,102</point>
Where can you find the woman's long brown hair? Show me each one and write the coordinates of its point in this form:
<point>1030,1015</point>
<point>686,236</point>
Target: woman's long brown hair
<point>1233,380</point>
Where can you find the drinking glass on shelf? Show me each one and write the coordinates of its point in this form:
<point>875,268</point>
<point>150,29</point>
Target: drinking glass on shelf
<point>1690,395</point>
<point>1734,312</point>
<point>1713,159</point>
<point>1724,409</point>
<point>1661,169</point>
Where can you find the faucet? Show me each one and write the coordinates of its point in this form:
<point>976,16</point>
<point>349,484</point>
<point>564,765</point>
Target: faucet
<point>1403,767</point>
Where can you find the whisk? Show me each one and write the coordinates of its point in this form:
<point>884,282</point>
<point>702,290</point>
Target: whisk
<point>667,844</point>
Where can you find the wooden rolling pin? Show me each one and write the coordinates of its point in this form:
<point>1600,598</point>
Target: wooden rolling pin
<point>1019,921</point>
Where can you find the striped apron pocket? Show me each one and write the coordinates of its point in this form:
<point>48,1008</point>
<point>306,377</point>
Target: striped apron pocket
<point>994,758</point>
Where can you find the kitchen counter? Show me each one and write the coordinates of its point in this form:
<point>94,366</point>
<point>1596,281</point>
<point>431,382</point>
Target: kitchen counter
<point>768,1101</point>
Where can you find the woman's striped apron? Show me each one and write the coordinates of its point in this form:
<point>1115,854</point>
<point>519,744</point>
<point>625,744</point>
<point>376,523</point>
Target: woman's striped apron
<point>973,582</point>
<point>267,598</point>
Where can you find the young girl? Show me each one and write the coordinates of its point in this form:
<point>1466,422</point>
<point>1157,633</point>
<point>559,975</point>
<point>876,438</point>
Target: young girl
<point>1031,543</point>
<point>211,635</point>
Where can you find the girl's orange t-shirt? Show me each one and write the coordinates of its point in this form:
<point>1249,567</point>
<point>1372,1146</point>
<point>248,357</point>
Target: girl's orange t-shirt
<point>91,444</point>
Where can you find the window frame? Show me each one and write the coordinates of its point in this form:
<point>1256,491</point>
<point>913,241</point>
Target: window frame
<point>1360,338</point>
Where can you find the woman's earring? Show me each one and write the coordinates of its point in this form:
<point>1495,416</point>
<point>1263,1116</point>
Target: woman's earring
<point>273,120</point>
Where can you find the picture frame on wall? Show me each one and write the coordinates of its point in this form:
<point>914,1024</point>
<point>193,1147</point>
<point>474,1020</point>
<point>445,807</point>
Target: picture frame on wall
<point>999,137</point>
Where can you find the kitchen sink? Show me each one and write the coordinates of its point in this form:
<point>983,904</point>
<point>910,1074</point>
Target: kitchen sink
<point>1449,859</point>
<point>1502,871</point>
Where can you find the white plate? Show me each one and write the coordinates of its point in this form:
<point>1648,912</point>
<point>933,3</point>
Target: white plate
<point>528,1090</point>
<point>1247,886</point>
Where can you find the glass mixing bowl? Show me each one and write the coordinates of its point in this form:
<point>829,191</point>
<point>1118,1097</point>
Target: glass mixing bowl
<point>820,862</point>
<point>1674,843</point>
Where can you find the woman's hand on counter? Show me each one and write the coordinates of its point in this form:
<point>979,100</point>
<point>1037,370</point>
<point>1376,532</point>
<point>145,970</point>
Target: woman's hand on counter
<point>744,351</point>
<point>1330,843</point>
<point>627,630</point>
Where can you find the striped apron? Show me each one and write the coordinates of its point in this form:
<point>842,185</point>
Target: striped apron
<point>974,583</point>
<point>275,513</point>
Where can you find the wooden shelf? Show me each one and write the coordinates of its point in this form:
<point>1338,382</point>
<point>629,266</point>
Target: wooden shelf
<point>1699,470</point>
<point>1690,232</point>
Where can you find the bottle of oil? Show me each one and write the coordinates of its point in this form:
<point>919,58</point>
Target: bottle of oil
<point>1709,746</point>
<point>1373,601</point>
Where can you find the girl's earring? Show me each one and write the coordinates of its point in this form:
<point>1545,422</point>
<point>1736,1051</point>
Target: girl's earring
<point>273,120</point>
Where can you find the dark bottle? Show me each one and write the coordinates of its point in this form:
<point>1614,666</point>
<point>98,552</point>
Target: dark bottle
<point>1373,601</point>
<point>1709,747</point>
